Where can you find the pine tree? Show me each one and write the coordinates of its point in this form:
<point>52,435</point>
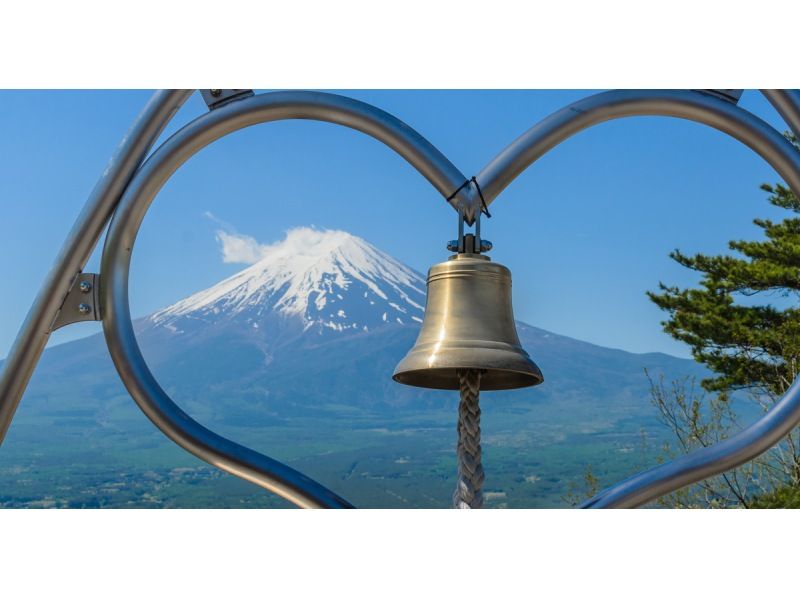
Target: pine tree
<point>754,348</point>
<point>749,347</point>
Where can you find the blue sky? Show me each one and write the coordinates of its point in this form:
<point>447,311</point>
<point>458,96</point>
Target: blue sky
<point>586,230</point>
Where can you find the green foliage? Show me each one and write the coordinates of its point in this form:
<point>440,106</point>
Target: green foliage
<point>786,497</point>
<point>753,348</point>
<point>580,491</point>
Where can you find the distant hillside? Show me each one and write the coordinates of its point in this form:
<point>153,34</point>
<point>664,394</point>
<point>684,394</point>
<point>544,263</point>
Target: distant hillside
<point>301,346</point>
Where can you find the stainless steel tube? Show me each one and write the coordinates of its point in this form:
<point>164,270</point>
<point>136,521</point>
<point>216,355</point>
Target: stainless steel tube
<point>754,133</point>
<point>689,105</point>
<point>443,175</point>
<point>704,463</point>
<point>787,103</point>
<point>117,325</point>
<point>34,333</point>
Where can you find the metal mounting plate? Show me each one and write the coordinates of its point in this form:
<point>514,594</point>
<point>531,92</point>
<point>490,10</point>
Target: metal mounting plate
<point>81,303</point>
<point>729,95</point>
<point>214,98</point>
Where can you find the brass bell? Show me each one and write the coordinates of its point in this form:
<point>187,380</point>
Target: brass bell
<point>468,324</point>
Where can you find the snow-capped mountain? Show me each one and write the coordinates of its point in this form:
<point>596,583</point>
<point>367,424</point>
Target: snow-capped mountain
<point>321,320</point>
<point>320,281</point>
<point>294,355</point>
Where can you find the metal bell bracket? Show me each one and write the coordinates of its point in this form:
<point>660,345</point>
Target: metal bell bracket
<point>129,184</point>
<point>469,243</point>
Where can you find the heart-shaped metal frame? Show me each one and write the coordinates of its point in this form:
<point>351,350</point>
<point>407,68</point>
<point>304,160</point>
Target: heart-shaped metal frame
<point>128,187</point>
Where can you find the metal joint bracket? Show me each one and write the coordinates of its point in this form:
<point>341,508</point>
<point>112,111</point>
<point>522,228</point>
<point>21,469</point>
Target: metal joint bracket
<point>215,98</point>
<point>729,95</point>
<point>81,303</point>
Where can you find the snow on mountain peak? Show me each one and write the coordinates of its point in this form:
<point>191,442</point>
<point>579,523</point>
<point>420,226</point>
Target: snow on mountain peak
<point>329,278</point>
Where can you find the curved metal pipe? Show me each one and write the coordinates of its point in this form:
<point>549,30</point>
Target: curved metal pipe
<point>442,174</point>
<point>690,105</point>
<point>736,450</point>
<point>117,325</point>
<point>787,103</point>
<point>755,134</point>
<point>34,333</point>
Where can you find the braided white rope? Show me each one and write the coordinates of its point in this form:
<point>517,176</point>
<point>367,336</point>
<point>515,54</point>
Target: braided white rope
<point>469,493</point>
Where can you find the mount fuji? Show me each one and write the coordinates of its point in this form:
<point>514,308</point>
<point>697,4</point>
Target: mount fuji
<point>314,283</point>
<point>303,342</point>
<point>322,318</point>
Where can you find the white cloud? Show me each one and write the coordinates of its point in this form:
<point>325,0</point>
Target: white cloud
<point>240,249</point>
<point>236,248</point>
<point>243,249</point>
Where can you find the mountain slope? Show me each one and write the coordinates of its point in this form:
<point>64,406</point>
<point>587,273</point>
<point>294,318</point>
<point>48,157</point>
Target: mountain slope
<point>322,319</point>
<point>313,281</point>
<point>294,355</point>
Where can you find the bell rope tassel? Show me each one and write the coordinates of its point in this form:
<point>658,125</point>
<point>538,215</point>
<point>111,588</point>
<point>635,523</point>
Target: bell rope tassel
<point>469,491</point>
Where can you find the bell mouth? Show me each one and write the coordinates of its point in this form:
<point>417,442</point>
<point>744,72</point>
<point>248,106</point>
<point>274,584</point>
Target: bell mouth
<point>503,367</point>
<point>447,379</point>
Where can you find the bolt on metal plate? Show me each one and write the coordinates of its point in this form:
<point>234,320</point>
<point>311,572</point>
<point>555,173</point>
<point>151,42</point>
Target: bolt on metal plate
<point>214,98</point>
<point>81,303</point>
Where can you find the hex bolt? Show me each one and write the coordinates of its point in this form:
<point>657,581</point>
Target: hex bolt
<point>85,308</point>
<point>85,286</point>
<point>216,92</point>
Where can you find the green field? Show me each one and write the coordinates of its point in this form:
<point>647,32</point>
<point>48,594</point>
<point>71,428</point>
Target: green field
<point>534,456</point>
